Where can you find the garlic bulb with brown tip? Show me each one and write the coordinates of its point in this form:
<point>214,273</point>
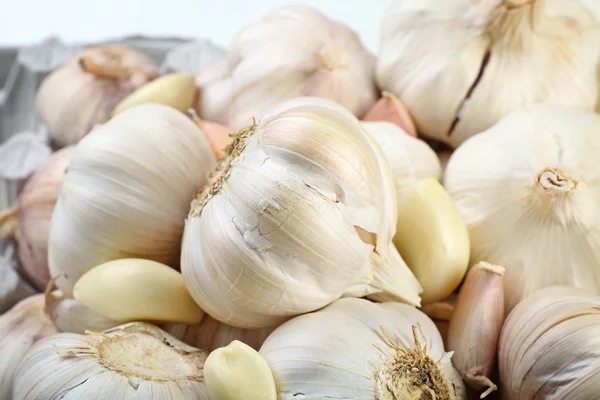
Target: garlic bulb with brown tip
<point>456,85</point>
<point>293,51</point>
<point>86,89</point>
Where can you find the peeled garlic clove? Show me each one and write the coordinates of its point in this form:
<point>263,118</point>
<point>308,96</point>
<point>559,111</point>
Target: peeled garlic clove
<point>127,192</point>
<point>134,361</point>
<point>20,327</point>
<point>134,289</point>
<point>176,90</point>
<point>390,109</point>
<point>477,44</point>
<point>475,326</point>
<point>268,62</point>
<point>433,239</point>
<point>238,371</point>
<point>218,136</point>
<point>83,92</point>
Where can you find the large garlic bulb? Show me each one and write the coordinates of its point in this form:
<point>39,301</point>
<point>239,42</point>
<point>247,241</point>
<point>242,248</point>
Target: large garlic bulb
<point>136,361</point>
<point>127,192</point>
<point>355,349</point>
<point>301,212</point>
<point>460,66</point>
<point>528,189</point>
<point>84,91</point>
<point>293,51</point>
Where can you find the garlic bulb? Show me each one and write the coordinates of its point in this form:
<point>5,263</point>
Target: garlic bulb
<point>548,49</point>
<point>84,91</point>
<point>20,327</point>
<point>211,334</point>
<point>293,51</point>
<point>127,191</point>
<point>33,212</point>
<point>528,192</point>
<point>301,212</point>
<point>133,361</point>
<point>356,349</point>
<point>549,346</point>
<point>389,109</point>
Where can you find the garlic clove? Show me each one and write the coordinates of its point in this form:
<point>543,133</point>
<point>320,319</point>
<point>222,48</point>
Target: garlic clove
<point>176,90</point>
<point>433,239</point>
<point>135,289</point>
<point>475,326</point>
<point>218,136</point>
<point>237,371</point>
<point>390,109</point>
<point>440,310</point>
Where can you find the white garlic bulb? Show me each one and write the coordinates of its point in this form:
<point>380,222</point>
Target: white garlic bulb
<point>127,191</point>
<point>356,349</point>
<point>84,91</point>
<point>485,59</point>
<point>301,212</point>
<point>528,191</point>
<point>133,361</point>
<point>293,51</point>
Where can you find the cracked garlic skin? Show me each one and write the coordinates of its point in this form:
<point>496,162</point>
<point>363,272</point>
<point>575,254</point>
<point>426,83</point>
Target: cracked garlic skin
<point>528,190</point>
<point>485,59</point>
<point>356,349</point>
<point>84,91</point>
<point>300,212</point>
<point>293,51</point>
<point>133,361</point>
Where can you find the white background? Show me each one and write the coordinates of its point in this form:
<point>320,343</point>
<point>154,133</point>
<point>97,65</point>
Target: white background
<point>79,21</point>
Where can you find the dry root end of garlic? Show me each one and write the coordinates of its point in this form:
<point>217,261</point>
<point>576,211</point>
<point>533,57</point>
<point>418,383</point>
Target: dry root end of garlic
<point>238,371</point>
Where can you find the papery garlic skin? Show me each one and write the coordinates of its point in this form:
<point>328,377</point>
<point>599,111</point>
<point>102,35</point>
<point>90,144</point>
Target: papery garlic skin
<point>528,190</point>
<point>347,349</point>
<point>71,101</point>
<point>127,192</point>
<point>133,361</point>
<point>291,219</point>
<point>549,344</point>
<point>548,48</point>
<point>293,51</point>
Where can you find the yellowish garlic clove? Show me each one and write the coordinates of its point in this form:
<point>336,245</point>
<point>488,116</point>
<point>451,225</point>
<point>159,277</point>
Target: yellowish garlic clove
<point>390,109</point>
<point>217,135</point>
<point>176,90</point>
<point>238,371</point>
<point>475,326</point>
<point>135,289</point>
<point>433,239</point>
<point>441,310</point>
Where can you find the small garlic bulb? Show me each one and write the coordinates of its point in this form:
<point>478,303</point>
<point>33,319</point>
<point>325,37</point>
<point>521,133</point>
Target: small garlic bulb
<point>549,344</point>
<point>301,212</point>
<point>356,349</point>
<point>127,191</point>
<point>456,85</point>
<point>293,51</point>
<point>136,361</point>
<point>86,89</point>
<point>528,191</point>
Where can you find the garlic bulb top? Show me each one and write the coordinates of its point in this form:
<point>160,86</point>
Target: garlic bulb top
<point>293,51</point>
<point>127,191</point>
<point>528,189</point>
<point>548,48</point>
<point>356,349</point>
<point>85,90</point>
<point>301,212</point>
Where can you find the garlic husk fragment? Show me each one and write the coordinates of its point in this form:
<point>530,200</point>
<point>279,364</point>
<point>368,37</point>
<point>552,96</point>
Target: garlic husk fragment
<point>291,219</point>
<point>528,191</point>
<point>389,109</point>
<point>85,90</point>
<point>293,51</point>
<point>357,349</point>
<point>549,344</point>
<point>236,372</point>
<point>133,361</point>
<point>20,327</point>
<point>475,326</point>
<point>473,47</point>
<point>127,191</point>
<point>133,289</point>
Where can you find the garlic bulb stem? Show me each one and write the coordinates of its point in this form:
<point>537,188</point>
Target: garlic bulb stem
<point>8,221</point>
<point>109,69</point>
